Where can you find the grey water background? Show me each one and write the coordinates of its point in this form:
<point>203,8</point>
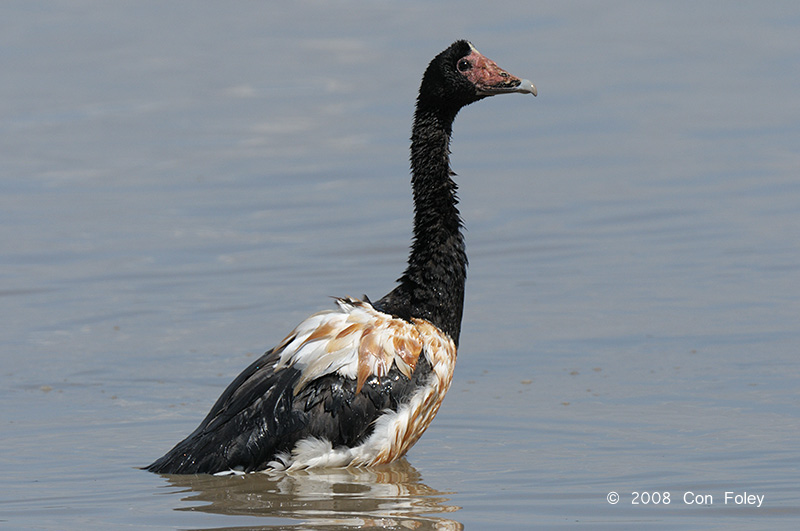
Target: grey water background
<point>184,182</point>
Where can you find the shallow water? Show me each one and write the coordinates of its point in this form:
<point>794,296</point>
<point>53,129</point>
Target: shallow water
<point>183,183</point>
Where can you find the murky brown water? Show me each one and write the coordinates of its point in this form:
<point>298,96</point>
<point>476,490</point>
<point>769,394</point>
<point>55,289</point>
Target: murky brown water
<point>182,184</point>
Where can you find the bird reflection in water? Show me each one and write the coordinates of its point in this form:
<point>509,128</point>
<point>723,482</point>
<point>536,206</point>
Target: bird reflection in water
<point>385,497</point>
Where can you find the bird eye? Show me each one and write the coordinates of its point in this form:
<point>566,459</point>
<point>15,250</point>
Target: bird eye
<point>463,65</point>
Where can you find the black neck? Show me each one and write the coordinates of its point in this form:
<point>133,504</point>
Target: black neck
<point>432,287</point>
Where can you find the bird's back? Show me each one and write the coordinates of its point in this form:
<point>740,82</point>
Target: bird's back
<point>320,397</point>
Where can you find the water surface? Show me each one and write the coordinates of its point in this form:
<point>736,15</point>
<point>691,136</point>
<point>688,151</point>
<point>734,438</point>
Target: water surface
<point>183,183</point>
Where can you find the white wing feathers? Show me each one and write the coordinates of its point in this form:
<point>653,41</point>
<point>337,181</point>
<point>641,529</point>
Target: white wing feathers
<point>355,341</point>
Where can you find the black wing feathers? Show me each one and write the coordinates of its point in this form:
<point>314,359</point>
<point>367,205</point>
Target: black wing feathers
<point>258,416</point>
